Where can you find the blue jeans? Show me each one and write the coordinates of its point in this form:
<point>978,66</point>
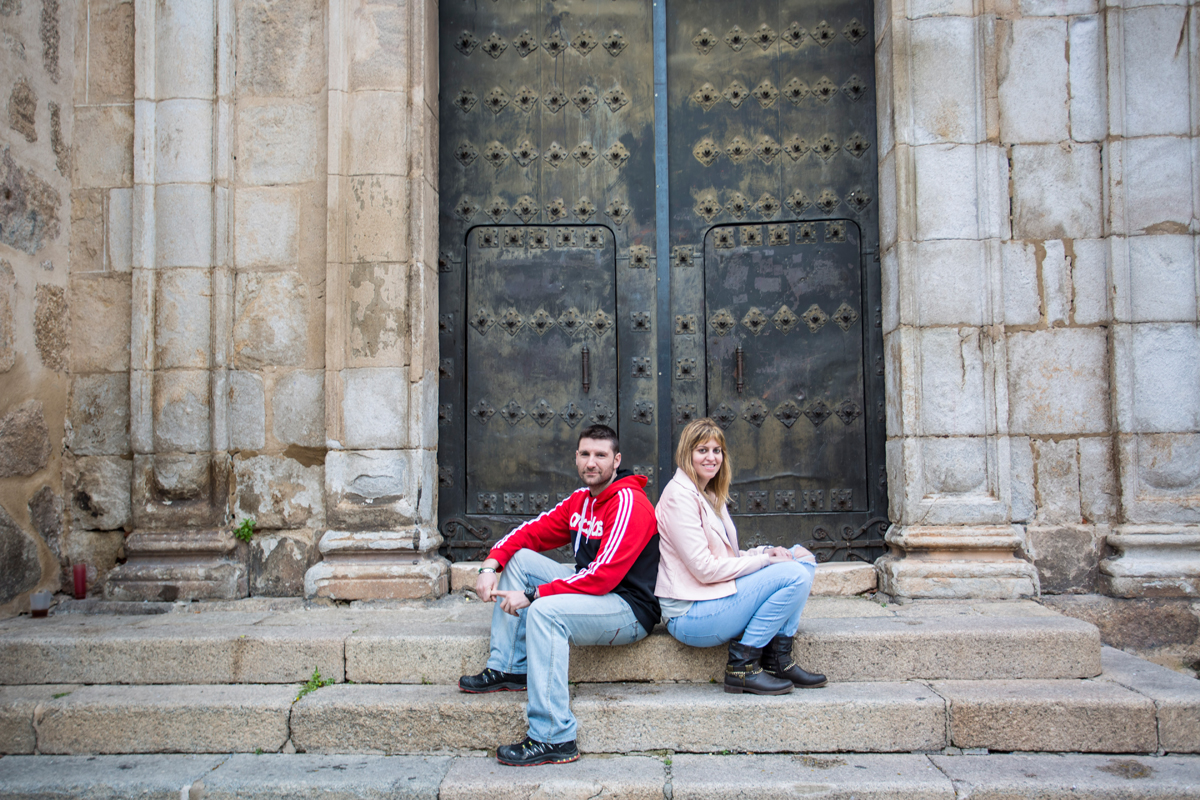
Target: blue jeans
<point>536,641</point>
<point>767,602</point>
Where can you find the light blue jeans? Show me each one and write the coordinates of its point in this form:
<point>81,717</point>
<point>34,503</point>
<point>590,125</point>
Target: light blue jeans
<point>767,602</point>
<point>536,641</point>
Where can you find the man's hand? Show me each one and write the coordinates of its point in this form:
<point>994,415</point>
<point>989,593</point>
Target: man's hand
<point>485,584</point>
<point>511,601</point>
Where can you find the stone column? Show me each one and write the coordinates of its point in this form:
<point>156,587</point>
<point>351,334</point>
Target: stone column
<point>181,547</point>
<point>1151,204</point>
<point>381,312</point>
<point>944,216</point>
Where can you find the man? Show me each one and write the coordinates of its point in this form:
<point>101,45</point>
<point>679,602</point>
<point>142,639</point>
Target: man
<point>541,605</point>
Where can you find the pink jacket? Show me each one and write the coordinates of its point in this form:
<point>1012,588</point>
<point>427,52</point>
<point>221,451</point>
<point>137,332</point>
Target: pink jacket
<point>698,558</point>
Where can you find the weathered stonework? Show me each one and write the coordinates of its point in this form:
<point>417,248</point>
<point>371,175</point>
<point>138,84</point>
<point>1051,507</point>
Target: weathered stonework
<point>24,440</point>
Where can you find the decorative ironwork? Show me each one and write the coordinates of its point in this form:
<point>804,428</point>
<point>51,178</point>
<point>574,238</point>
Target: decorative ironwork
<point>584,210</point>
<point>685,369</point>
<point>601,414</point>
<point>525,99</point>
<point>466,210</point>
<point>825,147</point>
<point>445,368</point>
<point>767,205</point>
<point>466,43</point>
<point>446,324</point>
<point>584,153</point>
<point>572,414</point>
<point>539,503</point>
<point>756,502</point>
<point>765,36</point>
<point>487,238</point>
<point>571,321</point>
<point>835,232</point>
<point>539,238</point>
<point>767,149</point>
<point>483,411</point>
<point>751,235</point>
<point>464,101</point>
<point>616,155</point>
<point>733,502</point>
<point>525,209</point>
<point>639,257</point>
<point>554,44</point>
<point>854,542</point>
<point>735,38</point>
<point>824,89</point>
<point>737,149</point>
<point>524,153</point>
<point>785,319</point>
<point>487,502</point>
<point>724,416</point>
<point>723,239</point>
<point>755,321</point>
<point>779,235</point>
<point>554,100</point>
<point>787,412</point>
<point>512,413</point>
<point>707,96</point>
<point>640,321</point>
<point>593,239</point>
<point>735,93</point>
<point>645,471</point>
<point>496,100</point>
<point>514,237</point>
<point>823,33</point>
<point>848,412</point>
<point>722,322</point>
<point>704,41</point>
<point>494,46</point>
<point>856,145</point>
<point>841,499</point>
<point>465,154</point>
<point>814,500</point>
<point>525,43</point>
<point>817,413</point>
<point>806,233</point>
<point>495,154</point>
<point>512,322</point>
<point>496,210</point>
<point>765,93</point>
<point>616,99</point>
<point>797,201</point>
<point>618,210</point>
<point>738,205</point>
<point>682,256</point>
<point>854,88</point>
<point>858,200</point>
<point>584,42</point>
<point>556,209</point>
<point>827,200</point>
<point>584,99</point>
<point>542,413</point>
<point>643,412</point>
<point>795,90</point>
<point>514,502</point>
<point>555,155</point>
<point>815,317</point>
<point>785,500</point>
<point>640,367</point>
<point>706,151</point>
<point>445,476</point>
<point>600,322</point>
<point>854,31</point>
<point>755,412</point>
<point>685,413</point>
<point>707,206</point>
<point>614,43</point>
<point>444,414</point>
<point>541,321</point>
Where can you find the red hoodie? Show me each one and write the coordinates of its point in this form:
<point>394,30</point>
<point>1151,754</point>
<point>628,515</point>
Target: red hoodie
<point>615,540</point>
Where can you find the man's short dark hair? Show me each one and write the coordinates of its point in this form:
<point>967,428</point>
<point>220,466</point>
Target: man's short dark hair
<point>600,432</point>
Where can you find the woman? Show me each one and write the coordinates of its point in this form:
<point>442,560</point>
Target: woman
<point>712,592</point>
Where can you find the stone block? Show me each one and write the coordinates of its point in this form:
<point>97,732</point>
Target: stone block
<point>50,323</point>
<point>1156,369</point>
<point>1056,282</point>
<point>952,382</point>
<point>183,225</point>
<point>24,440</point>
<point>1089,278</point>
<point>1036,715</point>
<point>949,281</point>
<point>99,489</point>
<point>20,568</point>
<point>119,230</point>
<point>1154,279</point>
<point>1056,191</point>
<point>382,57</point>
<point>1058,381</point>
<point>1033,80</point>
<point>954,465</point>
<point>379,565</point>
<point>1176,697</point>
<point>700,718</point>
<point>1153,69</point>
<point>1087,79</point>
<point>102,155</point>
<point>100,321</point>
<point>374,488</point>
<point>98,415</point>
<point>298,408</point>
<point>182,410</point>
<point>46,517</point>
<point>1153,561</point>
<point>281,48</point>
<point>183,47</point>
<point>974,562</point>
<point>379,218</point>
<point>375,408</point>
<point>30,216</point>
<point>87,230</point>
<point>182,324</point>
<point>1143,624</point>
<point>151,777</point>
<point>423,411</point>
<point>1067,557</point>
<point>1158,474</point>
<point>271,319</point>
<point>18,707</point>
<point>109,40</point>
<point>1056,465</point>
<point>947,191</point>
<point>1058,777</point>
<point>247,411</point>
<point>266,230</point>
<point>633,777</point>
<point>378,313</point>
<point>860,776</point>
<point>184,141</point>
<point>99,551</point>
<point>1149,185</point>
<point>1024,504</point>
<point>278,562</point>
<point>890,269</point>
<point>1098,490</point>
<point>280,142</point>
<point>943,89</point>
<point>1022,294</point>
<point>279,492</point>
<point>378,133</point>
<point>167,719</point>
<point>362,777</point>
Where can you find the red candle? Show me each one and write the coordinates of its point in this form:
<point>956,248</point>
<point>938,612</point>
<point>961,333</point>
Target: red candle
<point>80,573</point>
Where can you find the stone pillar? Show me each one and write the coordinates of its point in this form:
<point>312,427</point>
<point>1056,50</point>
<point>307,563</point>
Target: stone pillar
<point>1151,204</point>
<point>944,216</point>
<point>381,312</point>
<point>181,547</point>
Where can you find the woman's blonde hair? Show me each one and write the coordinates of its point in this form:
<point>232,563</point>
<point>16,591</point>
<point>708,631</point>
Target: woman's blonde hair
<point>697,432</point>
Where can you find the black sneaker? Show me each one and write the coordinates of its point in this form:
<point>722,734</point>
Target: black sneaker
<point>492,680</point>
<point>531,753</point>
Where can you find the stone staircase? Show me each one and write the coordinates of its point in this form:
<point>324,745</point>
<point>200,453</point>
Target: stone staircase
<point>932,685</point>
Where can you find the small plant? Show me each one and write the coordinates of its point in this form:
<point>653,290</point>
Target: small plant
<point>314,683</point>
<point>59,694</point>
<point>245,531</point>
<point>258,751</point>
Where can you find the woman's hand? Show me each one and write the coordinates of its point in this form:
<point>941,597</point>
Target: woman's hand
<point>778,555</point>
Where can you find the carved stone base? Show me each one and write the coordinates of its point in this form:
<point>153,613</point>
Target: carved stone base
<point>377,565</point>
<point>1153,561</point>
<point>180,565</point>
<point>953,563</point>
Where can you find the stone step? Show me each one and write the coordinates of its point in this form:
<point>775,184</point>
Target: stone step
<point>849,639</point>
<point>1134,707</point>
<point>623,777</point>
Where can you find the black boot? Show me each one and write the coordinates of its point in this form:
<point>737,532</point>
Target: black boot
<point>743,674</point>
<point>777,660</point>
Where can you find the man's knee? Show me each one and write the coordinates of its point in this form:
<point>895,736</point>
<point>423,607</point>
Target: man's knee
<point>514,571</point>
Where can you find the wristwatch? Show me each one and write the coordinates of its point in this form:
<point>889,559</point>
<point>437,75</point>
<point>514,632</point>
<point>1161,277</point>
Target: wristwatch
<point>531,595</point>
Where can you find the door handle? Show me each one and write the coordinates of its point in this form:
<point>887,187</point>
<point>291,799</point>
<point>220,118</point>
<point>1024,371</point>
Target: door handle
<point>739,368</point>
<point>585,366</point>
